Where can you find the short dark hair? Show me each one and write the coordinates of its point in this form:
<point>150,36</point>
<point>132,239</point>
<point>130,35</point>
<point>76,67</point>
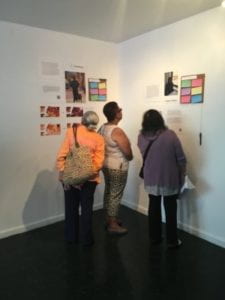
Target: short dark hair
<point>152,121</point>
<point>110,110</point>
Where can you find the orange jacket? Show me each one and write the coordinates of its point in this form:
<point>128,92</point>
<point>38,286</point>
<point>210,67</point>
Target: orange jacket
<point>85,137</point>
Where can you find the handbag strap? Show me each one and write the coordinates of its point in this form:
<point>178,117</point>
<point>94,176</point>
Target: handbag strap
<point>146,151</point>
<point>75,136</point>
<point>148,148</point>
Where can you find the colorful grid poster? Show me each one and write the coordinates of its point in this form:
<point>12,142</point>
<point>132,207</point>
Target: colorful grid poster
<point>97,89</point>
<point>192,89</point>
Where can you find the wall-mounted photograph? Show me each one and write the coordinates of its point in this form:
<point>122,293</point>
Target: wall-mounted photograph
<point>74,111</point>
<point>50,129</point>
<point>75,87</point>
<point>192,89</point>
<point>49,111</point>
<point>97,89</point>
<point>170,84</point>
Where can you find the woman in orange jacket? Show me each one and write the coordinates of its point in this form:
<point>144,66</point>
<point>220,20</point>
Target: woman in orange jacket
<point>82,195</point>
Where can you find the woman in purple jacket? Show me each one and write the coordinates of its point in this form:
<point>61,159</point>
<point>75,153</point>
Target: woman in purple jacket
<point>164,172</point>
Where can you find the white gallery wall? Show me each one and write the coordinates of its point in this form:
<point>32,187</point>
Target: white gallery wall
<point>192,46</point>
<point>30,195</point>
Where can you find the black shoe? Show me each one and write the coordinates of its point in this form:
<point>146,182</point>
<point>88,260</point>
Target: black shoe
<point>175,245</point>
<point>155,242</point>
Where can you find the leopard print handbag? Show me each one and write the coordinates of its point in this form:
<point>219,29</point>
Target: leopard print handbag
<point>78,165</point>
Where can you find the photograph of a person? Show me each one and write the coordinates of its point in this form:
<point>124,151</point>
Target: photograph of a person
<point>75,87</point>
<point>74,111</point>
<point>171,84</point>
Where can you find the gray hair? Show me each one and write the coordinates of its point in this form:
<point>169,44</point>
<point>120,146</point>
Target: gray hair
<point>90,119</point>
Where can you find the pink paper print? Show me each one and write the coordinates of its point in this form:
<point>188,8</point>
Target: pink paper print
<point>196,82</point>
<point>185,99</point>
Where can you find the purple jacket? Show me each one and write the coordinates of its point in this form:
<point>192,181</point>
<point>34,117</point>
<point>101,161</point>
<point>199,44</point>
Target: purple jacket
<point>161,170</point>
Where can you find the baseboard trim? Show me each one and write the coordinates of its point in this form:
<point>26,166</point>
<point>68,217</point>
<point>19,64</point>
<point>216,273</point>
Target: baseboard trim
<point>98,206</point>
<point>37,224</point>
<point>51,220</point>
<point>135,207</point>
<point>27,227</point>
<point>202,234</point>
<point>192,230</point>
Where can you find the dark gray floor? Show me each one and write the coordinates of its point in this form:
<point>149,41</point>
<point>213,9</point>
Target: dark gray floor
<point>39,265</point>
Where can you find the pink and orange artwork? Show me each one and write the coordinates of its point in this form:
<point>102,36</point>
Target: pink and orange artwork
<point>49,111</point>
<point>50,129</point>
<point>74,111</point>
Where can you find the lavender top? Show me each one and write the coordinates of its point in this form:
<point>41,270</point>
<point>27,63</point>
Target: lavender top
<point>161,170</point>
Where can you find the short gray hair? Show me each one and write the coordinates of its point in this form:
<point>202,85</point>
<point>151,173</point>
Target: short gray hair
<point>90,120</point>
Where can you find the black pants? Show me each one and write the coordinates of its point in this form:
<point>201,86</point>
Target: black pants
<point>74,198</point>
<point>154,213</point>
